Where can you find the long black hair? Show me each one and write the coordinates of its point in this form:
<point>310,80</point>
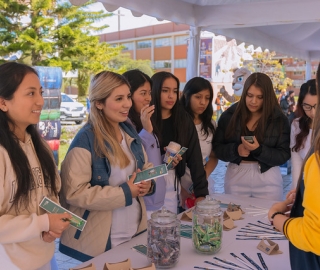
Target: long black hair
<point>11,76</point>
<point>308,87</point>
<point>194,86</point>
<point>136,79</point>
<point>269,106</point>
<point>177,112</point>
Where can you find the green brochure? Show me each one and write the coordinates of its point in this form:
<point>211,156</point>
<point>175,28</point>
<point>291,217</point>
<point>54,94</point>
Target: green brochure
<point>180,152</point>
<point>52,207</point>
<point>150,174</point>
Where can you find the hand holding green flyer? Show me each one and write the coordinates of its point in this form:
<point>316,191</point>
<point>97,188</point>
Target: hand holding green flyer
<point>180,152</point>
<point>52,207</point>
<point>150,174</point>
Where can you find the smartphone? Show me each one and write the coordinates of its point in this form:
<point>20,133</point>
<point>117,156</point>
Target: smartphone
<point>249,139</point>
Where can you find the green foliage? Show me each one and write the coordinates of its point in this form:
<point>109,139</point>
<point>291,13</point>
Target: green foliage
<point>59,34</point>
<point>265,62</point>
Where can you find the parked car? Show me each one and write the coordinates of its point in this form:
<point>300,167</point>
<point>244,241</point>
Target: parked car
<point>71,110</point>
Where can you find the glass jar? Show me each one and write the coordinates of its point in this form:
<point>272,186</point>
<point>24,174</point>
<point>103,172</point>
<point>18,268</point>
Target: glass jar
<point>207,226</point>
<point>163,239</point>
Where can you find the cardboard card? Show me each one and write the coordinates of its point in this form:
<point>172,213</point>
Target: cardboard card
<point>187,215</point>
<point>150,267</point>
<point>228,225</point>
<point>91,266</point>
<point>270,248</point>
<point>150,174</point>
<point>180,152</point>
<point>124,265</point>
<point>52,207</point>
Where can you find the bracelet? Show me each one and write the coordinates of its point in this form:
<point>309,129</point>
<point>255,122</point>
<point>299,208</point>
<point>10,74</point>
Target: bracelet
<point>274,214</point>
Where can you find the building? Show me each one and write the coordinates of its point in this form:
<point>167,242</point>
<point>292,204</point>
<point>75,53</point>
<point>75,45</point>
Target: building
<point>166,46</point>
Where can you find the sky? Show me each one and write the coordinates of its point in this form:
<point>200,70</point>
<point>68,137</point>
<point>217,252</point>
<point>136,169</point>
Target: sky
<point>127,20</point>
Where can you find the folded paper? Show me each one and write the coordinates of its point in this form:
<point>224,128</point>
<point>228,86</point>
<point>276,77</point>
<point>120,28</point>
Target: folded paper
<point>91,266</point>
<point>270,248</point>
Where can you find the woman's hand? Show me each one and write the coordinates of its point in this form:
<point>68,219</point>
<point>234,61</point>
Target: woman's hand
<point>283,206</point>
<point>134,188</point>
<point>250,146</point>
<point>243,152</point>
<point>145,116</point>
<point>144,187</point>
<point>58,223</point>
<point>292,193</point>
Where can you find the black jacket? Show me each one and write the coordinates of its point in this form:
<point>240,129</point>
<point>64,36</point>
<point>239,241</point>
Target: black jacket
<point>273,151</point>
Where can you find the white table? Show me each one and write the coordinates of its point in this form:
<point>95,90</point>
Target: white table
<point>188,256</point>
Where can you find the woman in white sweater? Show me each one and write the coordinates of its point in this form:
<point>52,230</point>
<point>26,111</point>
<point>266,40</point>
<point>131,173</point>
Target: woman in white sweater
<point>301,128</point>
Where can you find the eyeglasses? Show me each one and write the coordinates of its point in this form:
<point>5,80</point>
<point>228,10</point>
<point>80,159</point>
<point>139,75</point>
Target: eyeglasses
<point>308,107</point>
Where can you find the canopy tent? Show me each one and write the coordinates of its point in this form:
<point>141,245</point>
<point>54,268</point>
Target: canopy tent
<point>286,26</point>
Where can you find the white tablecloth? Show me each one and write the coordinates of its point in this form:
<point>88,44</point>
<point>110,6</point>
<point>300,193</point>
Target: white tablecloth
<point>190,258</point>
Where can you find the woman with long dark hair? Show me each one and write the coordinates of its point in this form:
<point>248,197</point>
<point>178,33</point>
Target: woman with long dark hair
<point>27,174</point>
<point>197,100</point>
<point>253,135</point>
<point>301,128</point>
<point>140,115</point>
<point>173,123</point>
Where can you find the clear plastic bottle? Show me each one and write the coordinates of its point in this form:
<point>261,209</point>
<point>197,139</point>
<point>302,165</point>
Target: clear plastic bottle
<point>207,226</point>
<point>163,239</point>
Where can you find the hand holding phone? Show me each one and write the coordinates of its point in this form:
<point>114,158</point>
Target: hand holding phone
<point>249,139</point>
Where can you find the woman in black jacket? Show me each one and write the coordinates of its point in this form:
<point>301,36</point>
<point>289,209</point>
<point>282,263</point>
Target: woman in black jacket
<point>173,123</point>
<point>254,136</point>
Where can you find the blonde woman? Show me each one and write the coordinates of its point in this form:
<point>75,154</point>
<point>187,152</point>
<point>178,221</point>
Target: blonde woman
<point>95,173</point>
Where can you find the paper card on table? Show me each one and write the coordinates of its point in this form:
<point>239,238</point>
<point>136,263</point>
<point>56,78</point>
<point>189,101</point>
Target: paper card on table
<point>52,207</point>
<point>141,249</point>
<point>271,248</point>
<point>91,266</point>
<point>187,215</point>
<point>180,152</point>
<point>150,174</point>
<point>235,215</point>
<point>228,225</point>
<point>150,267</point>
<point>124,265</point>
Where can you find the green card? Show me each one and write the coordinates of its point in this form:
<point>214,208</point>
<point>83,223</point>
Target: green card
<point>180,152</point>
<point>52,207</point>
<point>150,174</point>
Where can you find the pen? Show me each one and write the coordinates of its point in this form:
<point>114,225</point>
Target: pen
<point>66,219</point>
<point>240,260</point>
<point>252,261</point>
<point>229,262</point>
<point>262,261</point>
<point>219,265</point>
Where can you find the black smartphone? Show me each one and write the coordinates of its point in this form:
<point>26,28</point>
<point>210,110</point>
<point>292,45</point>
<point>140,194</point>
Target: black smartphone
<point>249,139</point>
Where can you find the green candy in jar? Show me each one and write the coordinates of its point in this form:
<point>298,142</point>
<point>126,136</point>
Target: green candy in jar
<point>207,226</point>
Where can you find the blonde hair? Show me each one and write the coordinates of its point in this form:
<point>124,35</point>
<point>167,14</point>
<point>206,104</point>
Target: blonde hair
<point>105,144</point>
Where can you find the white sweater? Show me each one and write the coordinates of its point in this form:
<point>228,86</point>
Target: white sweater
<point>298,157</point>
<point>21,245</point>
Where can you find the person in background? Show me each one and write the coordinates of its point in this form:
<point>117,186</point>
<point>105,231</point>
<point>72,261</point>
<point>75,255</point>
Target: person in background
<point>27,174</point>
<point>301,128</point>
<point>253,135</point>
<point>140,115</point>
<point>302,228</point>
<point>282,95</point>
<point>197,100</point>
<point>173,123</point>
<point>95,173</point>
<point>220,102</point>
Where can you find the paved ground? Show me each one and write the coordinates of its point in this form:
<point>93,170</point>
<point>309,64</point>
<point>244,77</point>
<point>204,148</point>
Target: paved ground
<point>65,262</point>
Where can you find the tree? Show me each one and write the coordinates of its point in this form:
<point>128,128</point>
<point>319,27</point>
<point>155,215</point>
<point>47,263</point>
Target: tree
<point>265,62</point>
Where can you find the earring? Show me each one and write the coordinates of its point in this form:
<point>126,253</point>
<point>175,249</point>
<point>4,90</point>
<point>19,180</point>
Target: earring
<point>100,112</point>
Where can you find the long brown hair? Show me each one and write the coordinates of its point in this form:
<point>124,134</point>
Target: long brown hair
<point>242,114</point>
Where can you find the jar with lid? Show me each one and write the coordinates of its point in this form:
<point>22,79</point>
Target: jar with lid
<point>163,248</point>
<point>207,226</point>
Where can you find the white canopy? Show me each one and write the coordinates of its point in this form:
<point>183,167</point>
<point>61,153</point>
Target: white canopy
<point>291,27</point>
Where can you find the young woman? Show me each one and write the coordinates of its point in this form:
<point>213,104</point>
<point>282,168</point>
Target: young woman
<point>197,99</point>
<point>254,170</point>
<point>95,171</point>
<point>27,174</point>
<point>301,128</point>
<point>173,123</point>
<point>140,115</point>
<point>303,227</point>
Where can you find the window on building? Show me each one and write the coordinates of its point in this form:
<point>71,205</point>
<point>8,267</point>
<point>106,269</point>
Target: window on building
<point>127,46</point>
<point>162,42</point>
<point>162,64</point>
<point>181,40</point>
<point>297,72</point>
<point>144,44</point>
<point>180,63</point>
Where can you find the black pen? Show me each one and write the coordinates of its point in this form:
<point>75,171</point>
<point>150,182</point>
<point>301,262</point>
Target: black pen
<point>262,261</point>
